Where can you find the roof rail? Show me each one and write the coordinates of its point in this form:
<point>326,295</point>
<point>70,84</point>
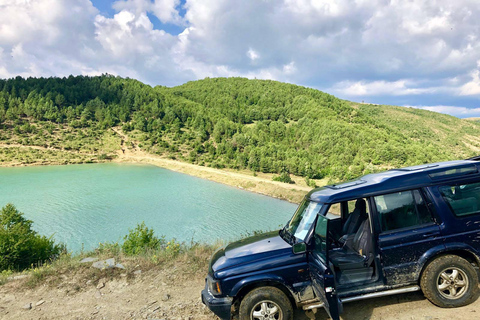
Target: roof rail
<point>476,158</point>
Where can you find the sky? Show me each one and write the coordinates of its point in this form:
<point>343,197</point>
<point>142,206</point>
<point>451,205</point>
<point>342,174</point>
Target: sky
<point>422,53</point>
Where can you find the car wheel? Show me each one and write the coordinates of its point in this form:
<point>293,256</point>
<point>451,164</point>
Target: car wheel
<point>450,281</point>
<point>266,303</point>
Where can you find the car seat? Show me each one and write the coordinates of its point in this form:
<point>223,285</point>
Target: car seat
<point>354,220</point>
<point>359,255</point>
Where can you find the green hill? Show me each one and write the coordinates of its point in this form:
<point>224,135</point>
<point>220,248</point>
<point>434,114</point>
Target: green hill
<point>261,125</point>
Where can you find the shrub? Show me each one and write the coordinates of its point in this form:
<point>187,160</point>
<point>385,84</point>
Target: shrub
<point>108,248</point>
<point>4,275</point>
<point>283,177</point>
<point>311,183</point>
<point>172,248</point>
<point>140,240</point>
<point>20,246</point>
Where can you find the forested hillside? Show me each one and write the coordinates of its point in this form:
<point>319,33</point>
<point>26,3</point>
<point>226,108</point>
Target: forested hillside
<point>238,123</point>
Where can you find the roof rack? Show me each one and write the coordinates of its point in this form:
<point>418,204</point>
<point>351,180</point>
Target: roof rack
<point>476,158</point>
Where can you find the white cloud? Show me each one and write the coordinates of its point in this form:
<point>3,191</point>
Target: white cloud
<point>252,54</point>
<point>372,88</point>
<point>47,37</point>
<point>472,87</point>
<point>132,46</point>
<point>126,34</point>
<point>166,11</point>
<point>290,68</point>
<point>318,7</point>
<point>430,26</point>
<point>460,112</point>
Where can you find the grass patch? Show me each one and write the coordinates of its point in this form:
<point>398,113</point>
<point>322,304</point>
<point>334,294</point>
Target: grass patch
<point>139,253</point>
<point>4,275</point>
<point>68,266</point>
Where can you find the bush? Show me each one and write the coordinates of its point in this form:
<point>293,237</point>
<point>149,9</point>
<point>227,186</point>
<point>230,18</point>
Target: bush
<point>108,248</point>
<point>172,248</point>
<point>284,177</point>
<point>311,183</point>
<point>20,246</point>
<point>140,240</point>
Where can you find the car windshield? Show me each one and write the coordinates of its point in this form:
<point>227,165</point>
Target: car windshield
<point>303,219</point>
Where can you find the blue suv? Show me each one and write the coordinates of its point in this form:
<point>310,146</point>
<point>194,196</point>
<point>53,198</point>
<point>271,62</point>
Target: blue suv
<point>403,230</point>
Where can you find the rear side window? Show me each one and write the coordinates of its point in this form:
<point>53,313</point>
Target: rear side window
<point>464,200</point>
<point>402,210</point>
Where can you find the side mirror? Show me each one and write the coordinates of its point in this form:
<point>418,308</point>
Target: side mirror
<point>299,247</point>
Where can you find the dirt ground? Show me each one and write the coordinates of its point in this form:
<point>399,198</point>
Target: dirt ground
<point>175,294</point>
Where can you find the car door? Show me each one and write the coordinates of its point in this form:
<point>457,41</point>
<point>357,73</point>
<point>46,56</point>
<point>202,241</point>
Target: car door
<point>407,232</point>
<point>459,204</point>
<point>323,278</point>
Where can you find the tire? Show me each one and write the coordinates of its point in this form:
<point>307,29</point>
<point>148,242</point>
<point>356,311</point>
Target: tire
<point>450,281</point>
<point>270,300</point>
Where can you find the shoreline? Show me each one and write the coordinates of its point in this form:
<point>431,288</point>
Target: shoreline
<point>244,180</point>
<point>260,184</point>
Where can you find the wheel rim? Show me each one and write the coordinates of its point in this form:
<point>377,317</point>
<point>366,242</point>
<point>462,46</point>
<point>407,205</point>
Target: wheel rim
<point>266,309</point>
<point>452,283</point>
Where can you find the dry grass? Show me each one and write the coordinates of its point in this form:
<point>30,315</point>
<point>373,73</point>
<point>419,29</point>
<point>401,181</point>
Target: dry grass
<point>69,273</point>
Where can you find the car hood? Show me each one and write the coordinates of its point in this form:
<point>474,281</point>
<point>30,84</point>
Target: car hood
<point>248,250</point>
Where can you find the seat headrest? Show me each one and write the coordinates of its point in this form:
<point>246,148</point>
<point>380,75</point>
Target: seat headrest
<point>361,206</point>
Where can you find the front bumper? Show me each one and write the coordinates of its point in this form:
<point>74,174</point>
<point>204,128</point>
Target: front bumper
<point>220,306</point>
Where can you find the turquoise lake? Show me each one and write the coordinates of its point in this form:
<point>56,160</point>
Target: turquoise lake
<point>82,205</point>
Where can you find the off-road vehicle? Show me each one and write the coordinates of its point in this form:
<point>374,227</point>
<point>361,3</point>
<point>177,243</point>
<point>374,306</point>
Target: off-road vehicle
<point>402,230</point>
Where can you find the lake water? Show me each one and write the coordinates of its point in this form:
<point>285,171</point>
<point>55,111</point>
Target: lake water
<point>91,203</point>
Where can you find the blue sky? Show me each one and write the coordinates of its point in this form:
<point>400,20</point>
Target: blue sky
<point>422,53</point>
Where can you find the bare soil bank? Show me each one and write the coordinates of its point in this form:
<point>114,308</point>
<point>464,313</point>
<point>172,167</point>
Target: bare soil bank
<point>262,183</point>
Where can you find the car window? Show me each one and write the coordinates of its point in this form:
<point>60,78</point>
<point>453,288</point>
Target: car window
<point>463,200</point>
<point>335,209</point>
<point>402,210</point>
<point>424,215</point>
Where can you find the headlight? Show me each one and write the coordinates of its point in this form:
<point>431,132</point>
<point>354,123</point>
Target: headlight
<point>214,286</point>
